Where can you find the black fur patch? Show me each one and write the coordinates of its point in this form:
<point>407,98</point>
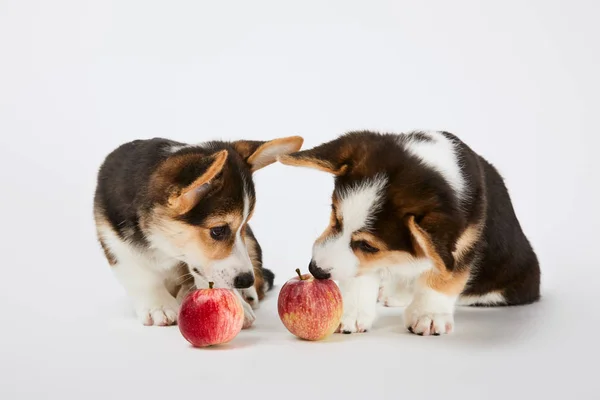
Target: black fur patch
<point>269,278</point>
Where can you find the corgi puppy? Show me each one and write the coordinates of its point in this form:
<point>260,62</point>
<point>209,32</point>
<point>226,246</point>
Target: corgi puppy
<point>430,216</point>
<point>171,217</point>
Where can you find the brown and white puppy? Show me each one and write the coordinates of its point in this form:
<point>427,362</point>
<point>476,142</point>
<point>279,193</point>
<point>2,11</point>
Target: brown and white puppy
<point>172,216</point>
<point>428,213</point>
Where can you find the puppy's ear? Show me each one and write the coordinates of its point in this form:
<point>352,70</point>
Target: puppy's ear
<point>433,237</point>
<point>329,157</point>
<point>198,169</point>
<point>258,154</point>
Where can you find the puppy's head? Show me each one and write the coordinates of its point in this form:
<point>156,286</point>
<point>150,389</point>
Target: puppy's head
<point>201,199</point>
<point>387,209</point>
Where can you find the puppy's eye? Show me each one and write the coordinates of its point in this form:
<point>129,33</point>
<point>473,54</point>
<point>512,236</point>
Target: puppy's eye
<point>364,246</point>
<point>220,232</point>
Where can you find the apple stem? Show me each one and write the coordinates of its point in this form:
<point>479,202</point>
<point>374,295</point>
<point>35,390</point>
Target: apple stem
<point>210,285</point>
<point>299,274</point>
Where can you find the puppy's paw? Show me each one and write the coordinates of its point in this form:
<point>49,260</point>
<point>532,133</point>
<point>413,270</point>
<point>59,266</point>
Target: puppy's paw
<point>158,313</point>
<point>358,320</point>
<point>249,316</point>
<point>428,323</point>
<point>360,304</point>
<point>251,297</point>
<point>350,324</point>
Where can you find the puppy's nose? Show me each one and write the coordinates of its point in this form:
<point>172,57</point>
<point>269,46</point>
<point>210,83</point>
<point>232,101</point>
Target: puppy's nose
<point>317,272</point>
<point>243,281</point>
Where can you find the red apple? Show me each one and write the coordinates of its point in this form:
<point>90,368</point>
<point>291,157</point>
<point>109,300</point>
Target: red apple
<point>210,316</point>
<point>310,308</point>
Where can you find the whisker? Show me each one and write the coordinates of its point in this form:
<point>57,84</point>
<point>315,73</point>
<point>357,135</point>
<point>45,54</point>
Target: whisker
<point>190,289</point>
<point>186,276</point>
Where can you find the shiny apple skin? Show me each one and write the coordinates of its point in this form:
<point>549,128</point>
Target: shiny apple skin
<point>210,316</point>
<point>310,308</point>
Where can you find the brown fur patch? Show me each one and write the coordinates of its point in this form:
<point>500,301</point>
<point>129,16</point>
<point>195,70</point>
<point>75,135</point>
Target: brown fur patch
<point>467,240</point>
<point>245,148</point>
<point>370,239</point>
<point>451,284</point>
<point>424,246</point>
<point>233,219</point>
<point>383,258</point>
<point>440,278</point>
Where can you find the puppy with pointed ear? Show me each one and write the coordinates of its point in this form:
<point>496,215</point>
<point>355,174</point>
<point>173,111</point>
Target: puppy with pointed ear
<point>259,154</point>
<point>168,213</point>
<point>417,207</point>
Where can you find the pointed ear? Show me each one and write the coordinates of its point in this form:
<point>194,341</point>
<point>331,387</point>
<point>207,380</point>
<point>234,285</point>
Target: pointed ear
<point>328,157</point>
<point>185,199</point>
<point>259,154</point>
<point>432,238</point>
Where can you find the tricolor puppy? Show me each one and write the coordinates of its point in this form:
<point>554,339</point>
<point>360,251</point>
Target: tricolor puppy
<point>171,217</point>
<point>429,214</point>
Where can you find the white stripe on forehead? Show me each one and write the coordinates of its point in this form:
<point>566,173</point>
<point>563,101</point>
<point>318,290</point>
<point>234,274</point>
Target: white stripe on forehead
<point>239,250</point>
<point>246,211</point>
<point>360,202</point>
<point>440,154</point>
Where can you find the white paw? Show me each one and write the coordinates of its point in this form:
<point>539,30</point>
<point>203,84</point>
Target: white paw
<point>251,297</point>
<point>353,324</point>
<point>358,319</point>
<point>360,304</point>
<point>249,316</point>
<point>430,313</point>
<point>158,314</point>
<point>427,323</point>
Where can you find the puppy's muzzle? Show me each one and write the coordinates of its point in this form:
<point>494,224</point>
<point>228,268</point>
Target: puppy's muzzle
<point>318,272</point>
<point>243,281</point>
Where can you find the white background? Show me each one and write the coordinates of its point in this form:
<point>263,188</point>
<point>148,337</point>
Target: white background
<point>516,80</point>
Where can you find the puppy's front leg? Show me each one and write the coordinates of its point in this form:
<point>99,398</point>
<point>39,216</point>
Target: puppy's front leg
<point>395,290</point>
<point>249,316</point>
<point>359,295</point>
<point>431,311</point>
<point>153,303</point>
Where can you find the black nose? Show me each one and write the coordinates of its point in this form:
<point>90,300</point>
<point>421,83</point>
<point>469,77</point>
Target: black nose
<point>317,272</point>
<point>243,281</point>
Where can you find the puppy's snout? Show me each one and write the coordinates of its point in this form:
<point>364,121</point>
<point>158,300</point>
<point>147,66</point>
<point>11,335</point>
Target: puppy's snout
<point>243,281</point>
<point>318,272</point>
